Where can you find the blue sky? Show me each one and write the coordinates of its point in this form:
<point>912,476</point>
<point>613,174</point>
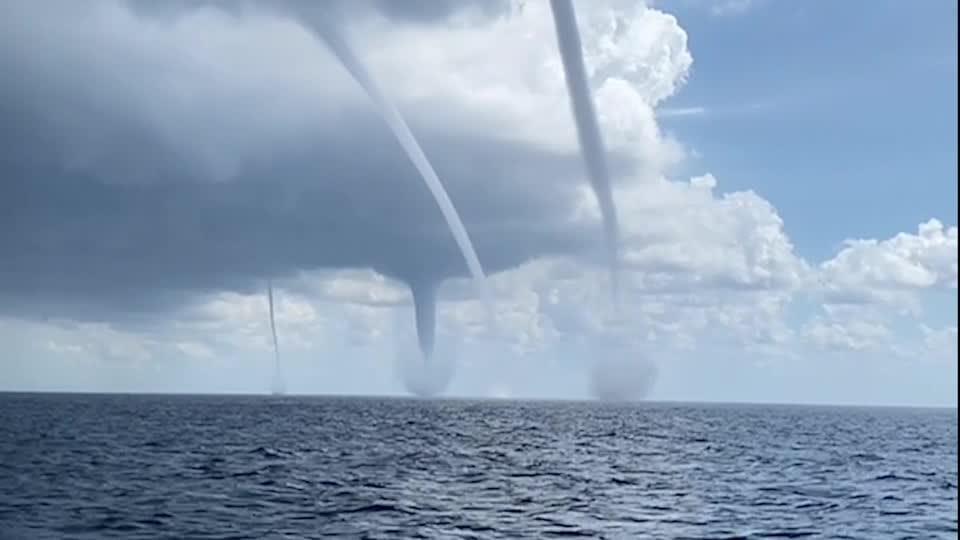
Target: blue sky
<point>855,118</point>
<point>786,181</point>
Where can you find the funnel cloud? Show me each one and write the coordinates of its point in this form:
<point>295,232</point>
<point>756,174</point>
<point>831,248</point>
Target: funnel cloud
<point>425,308</point>
<point>425,313</point>
<point>279,384</point>
<point>588,132</point>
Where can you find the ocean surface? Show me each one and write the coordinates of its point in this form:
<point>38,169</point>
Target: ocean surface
<point>120,466</point>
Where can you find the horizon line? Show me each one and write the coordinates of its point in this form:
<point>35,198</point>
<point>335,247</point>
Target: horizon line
<point>267,394</point>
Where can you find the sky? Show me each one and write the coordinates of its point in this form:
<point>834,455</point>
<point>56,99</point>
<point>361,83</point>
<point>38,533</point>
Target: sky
<point>785,176</point>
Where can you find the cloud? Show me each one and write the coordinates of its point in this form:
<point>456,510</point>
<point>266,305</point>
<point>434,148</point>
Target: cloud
<point>189,159</point>
<point>711,111</point>
<point>940,344</point>
<point>160,162</point>
<point>730,7</point>
<point>717,8</point>
<point>871,270</point>
<point>856,335</point>
<point>672,112</point>
<point>871,291</point>
<point>683,234</point>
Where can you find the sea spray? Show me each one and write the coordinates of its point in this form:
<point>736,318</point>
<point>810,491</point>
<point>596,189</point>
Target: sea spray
<point>421,375</point>
<point>588,133</point>
<point>621,375</point>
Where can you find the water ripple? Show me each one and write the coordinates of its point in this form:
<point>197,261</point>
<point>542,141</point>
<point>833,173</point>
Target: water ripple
<point>90,467</point>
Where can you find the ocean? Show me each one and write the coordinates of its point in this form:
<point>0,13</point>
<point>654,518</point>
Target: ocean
<point>218,467</point>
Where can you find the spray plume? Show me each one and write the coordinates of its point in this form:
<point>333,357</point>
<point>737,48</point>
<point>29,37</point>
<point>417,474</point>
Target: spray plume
<point>591,144</point>
<point>423,375</point>
<point>622,375</point>
<point>426,305</point>
<point>278,383</point>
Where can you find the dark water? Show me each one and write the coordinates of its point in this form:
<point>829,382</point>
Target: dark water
<point>258,467</point>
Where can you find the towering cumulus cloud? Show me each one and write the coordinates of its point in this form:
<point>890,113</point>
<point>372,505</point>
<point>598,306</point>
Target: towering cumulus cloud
<point>424,299</point>
<point>591,143</point>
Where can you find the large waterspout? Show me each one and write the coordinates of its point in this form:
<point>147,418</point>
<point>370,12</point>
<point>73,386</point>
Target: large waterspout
<point>341,49</point>
<point>591,143</point>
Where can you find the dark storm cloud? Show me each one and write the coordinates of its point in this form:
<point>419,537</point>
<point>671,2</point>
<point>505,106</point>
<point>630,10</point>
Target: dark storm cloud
<point>102,209</point>
<point>436,10</point>
<point>409,11</point>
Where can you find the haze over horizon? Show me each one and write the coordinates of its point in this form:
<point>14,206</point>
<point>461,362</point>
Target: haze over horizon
<point>785,176</point>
